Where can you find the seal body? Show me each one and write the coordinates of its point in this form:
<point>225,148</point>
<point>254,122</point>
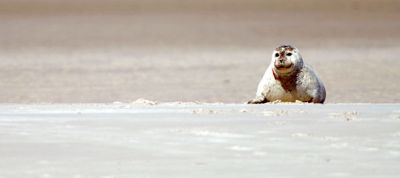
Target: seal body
<point>288,79</point>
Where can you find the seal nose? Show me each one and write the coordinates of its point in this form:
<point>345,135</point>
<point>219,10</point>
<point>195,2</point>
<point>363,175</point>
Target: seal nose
<point>281,61</point>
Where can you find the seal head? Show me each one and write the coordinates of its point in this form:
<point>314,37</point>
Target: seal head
<point>286,61</point>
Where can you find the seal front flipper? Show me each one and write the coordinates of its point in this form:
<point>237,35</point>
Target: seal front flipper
<point>258,100</point>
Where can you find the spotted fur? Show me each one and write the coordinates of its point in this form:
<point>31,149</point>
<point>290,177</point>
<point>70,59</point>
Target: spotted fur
<point>288,79</point>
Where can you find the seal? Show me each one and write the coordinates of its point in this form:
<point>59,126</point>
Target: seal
<point>288,79</point>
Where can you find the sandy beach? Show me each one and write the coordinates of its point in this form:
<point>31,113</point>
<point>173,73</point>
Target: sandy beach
<point>207,51</point>
<point>71,73</point>
<point>200,140</point>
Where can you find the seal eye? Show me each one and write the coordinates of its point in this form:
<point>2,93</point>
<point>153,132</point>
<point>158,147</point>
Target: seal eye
<point>289,54</point>
<point>276,54</point>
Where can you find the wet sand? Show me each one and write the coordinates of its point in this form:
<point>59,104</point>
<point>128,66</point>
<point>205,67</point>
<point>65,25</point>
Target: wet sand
<point>208,51</point>
<point>200,140</point>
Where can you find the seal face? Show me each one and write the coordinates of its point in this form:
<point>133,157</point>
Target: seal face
<point>288,79</point>
<point>286,60</point>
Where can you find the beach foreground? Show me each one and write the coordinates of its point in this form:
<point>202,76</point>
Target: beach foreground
<point>200,140</point>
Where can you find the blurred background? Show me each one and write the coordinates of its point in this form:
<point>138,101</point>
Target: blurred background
<point>80,51</point>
